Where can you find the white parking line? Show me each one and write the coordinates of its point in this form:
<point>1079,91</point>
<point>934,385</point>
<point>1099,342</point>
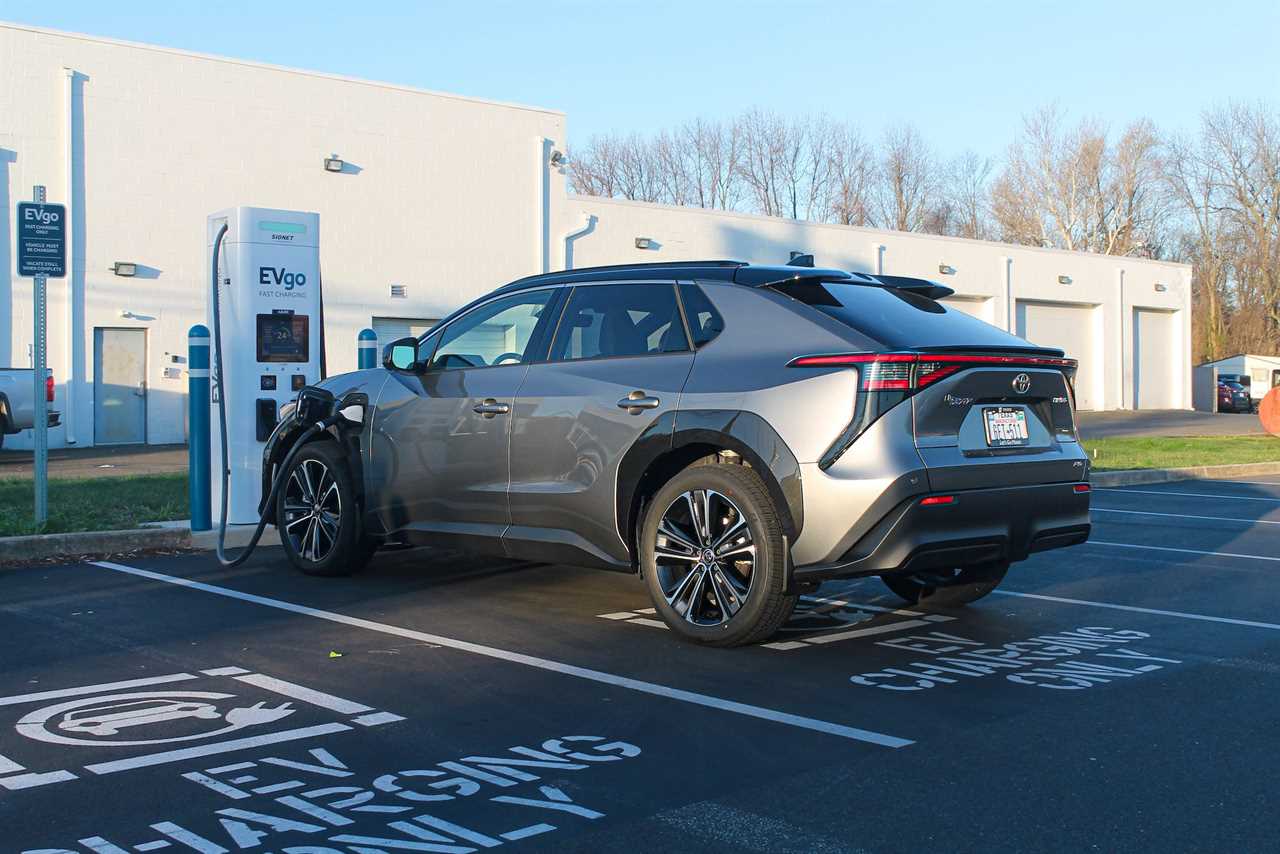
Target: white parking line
<point>186,753</point>
<point>1134,608</point>
<point>19,699</point>
<point>1185,516</point>
<point>641,686</point>
<point>1168,494</point>
<point>305,694</point>
<point>1182,551</point>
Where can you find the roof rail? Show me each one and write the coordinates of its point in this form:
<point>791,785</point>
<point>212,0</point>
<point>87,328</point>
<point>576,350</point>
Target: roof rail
<point>639,265</point>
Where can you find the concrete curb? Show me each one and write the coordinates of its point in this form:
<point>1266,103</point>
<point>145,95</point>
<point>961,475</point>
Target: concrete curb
<point>163,535</point>
<point>1134,477</point>
<point>40,546</point>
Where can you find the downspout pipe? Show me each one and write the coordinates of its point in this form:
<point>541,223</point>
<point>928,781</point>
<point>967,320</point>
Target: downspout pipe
<point>542,200</point>
<point>69,338</point>
<point>588,225</point>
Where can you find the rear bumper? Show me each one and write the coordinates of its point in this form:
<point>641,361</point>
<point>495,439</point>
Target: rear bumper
<point>982,525</point>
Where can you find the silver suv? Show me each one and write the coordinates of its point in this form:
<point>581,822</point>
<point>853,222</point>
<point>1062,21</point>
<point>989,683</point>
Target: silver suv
<point>736,434</point>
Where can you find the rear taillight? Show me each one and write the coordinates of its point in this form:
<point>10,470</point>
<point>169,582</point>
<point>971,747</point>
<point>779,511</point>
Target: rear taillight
<point>913,371</point>
<point>894,377</point>
<point>48,388</point>
<point>935,500</point>
<point>1080,488</point>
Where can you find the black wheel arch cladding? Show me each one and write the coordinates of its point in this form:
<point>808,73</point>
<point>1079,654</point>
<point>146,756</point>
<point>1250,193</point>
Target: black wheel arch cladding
<point>641,472</point>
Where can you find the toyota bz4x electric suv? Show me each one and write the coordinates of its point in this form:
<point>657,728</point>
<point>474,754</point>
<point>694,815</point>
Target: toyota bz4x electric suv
<point>734,433</point>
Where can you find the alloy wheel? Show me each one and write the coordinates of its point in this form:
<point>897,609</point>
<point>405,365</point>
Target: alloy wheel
<point>312,510</point>
<point>705,557</point>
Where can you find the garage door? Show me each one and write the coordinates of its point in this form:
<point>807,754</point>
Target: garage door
<point>979,307</point>
<point>1069,328</point>
<point>1157,358</point>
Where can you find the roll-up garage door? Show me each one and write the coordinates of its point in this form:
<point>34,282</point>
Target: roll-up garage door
<point>1069,328</point>
<point>1156,360</point>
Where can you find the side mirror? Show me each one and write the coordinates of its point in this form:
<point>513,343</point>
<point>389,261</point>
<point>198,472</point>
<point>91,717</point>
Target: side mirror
<point>401,355</point>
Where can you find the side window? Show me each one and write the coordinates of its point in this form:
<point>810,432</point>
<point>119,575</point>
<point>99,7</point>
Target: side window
<point>705,322</point>
<point>619,320</point>
<point>1275,379</point>
<point>494,334</point>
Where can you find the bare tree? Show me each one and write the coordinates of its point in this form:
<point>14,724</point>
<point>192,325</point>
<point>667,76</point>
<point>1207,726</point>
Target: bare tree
<point>906,189</point>
<point>853,173</point>
<point>1070,188</point>
<point>1245,142</point>
<point>765,147</point>
<point>617,166</point>
<point>966,193</point>
<point>707,157</point>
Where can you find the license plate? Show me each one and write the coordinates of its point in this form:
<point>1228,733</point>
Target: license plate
<point>1006,426</point>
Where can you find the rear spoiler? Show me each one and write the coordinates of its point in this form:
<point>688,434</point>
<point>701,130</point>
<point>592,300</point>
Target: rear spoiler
<point>764,277</point>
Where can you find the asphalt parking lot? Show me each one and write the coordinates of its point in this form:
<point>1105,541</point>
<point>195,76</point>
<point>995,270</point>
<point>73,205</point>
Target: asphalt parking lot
<point>1118,695</point>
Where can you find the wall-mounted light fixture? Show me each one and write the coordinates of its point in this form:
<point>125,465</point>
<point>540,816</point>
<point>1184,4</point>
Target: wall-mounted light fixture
<point>1161,287</point>
<point>1064,280</point>
<point>644,242</point>
<point>399,292</point>
<point>946,269</point>
<point>124,268</point>
<point>557,159</point>
<point>333,163</point>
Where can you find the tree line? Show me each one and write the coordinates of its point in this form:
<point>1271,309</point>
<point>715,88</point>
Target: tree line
<point>1209,197</point>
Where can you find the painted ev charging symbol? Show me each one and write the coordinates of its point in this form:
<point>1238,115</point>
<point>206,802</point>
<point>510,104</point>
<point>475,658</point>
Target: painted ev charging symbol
<point>96,720</point>
<point>159,725</point>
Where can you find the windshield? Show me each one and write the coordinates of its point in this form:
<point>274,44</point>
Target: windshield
<point>899,319</point>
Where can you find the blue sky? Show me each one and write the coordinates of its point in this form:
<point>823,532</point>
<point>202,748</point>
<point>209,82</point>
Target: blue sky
<point>963,72</point>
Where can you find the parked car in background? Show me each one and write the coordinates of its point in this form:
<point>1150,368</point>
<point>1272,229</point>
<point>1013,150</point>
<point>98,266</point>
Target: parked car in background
<point>1233,397</point>
<point>17,401</point>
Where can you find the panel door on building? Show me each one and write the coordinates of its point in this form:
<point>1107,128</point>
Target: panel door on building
<point>1069,328</point>
<point>389,329</point>
<point>119,386</point>
<point>1156,359</point>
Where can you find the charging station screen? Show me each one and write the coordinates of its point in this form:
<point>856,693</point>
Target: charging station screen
<point>282,337</point>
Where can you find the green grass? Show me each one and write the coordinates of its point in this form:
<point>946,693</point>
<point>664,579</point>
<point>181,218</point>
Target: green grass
<point>1143,452</point>
<point>94,504</point>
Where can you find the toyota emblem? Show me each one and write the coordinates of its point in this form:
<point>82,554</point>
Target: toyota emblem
<point>1022,383</point>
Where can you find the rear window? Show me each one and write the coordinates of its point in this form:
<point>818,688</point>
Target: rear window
<point>898,319</point>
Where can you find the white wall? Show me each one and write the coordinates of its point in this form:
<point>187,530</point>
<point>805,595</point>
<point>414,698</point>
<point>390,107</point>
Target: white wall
<point>990,278</point>
<point>445,199</point>
<point>446,195</point>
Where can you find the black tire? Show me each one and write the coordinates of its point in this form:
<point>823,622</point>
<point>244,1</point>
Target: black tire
<point>749,576</point>
<point>947,589</point>
<point>321,536</point>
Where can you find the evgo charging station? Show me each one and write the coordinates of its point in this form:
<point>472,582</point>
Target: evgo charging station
<point>264,308</point>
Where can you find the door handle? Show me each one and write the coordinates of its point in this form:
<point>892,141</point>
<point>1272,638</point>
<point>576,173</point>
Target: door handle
<point>490,407</point>
<point>141,390</point>
<point>638,400</point>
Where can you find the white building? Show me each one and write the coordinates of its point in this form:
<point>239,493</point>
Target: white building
<point>441,199</point>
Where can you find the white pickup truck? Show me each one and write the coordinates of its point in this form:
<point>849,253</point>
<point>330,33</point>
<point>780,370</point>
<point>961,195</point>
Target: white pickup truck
<point>17,401</point>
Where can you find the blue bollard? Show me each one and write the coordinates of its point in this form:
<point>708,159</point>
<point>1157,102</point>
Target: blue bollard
<point>367,349</point>
<point>198,419</point>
